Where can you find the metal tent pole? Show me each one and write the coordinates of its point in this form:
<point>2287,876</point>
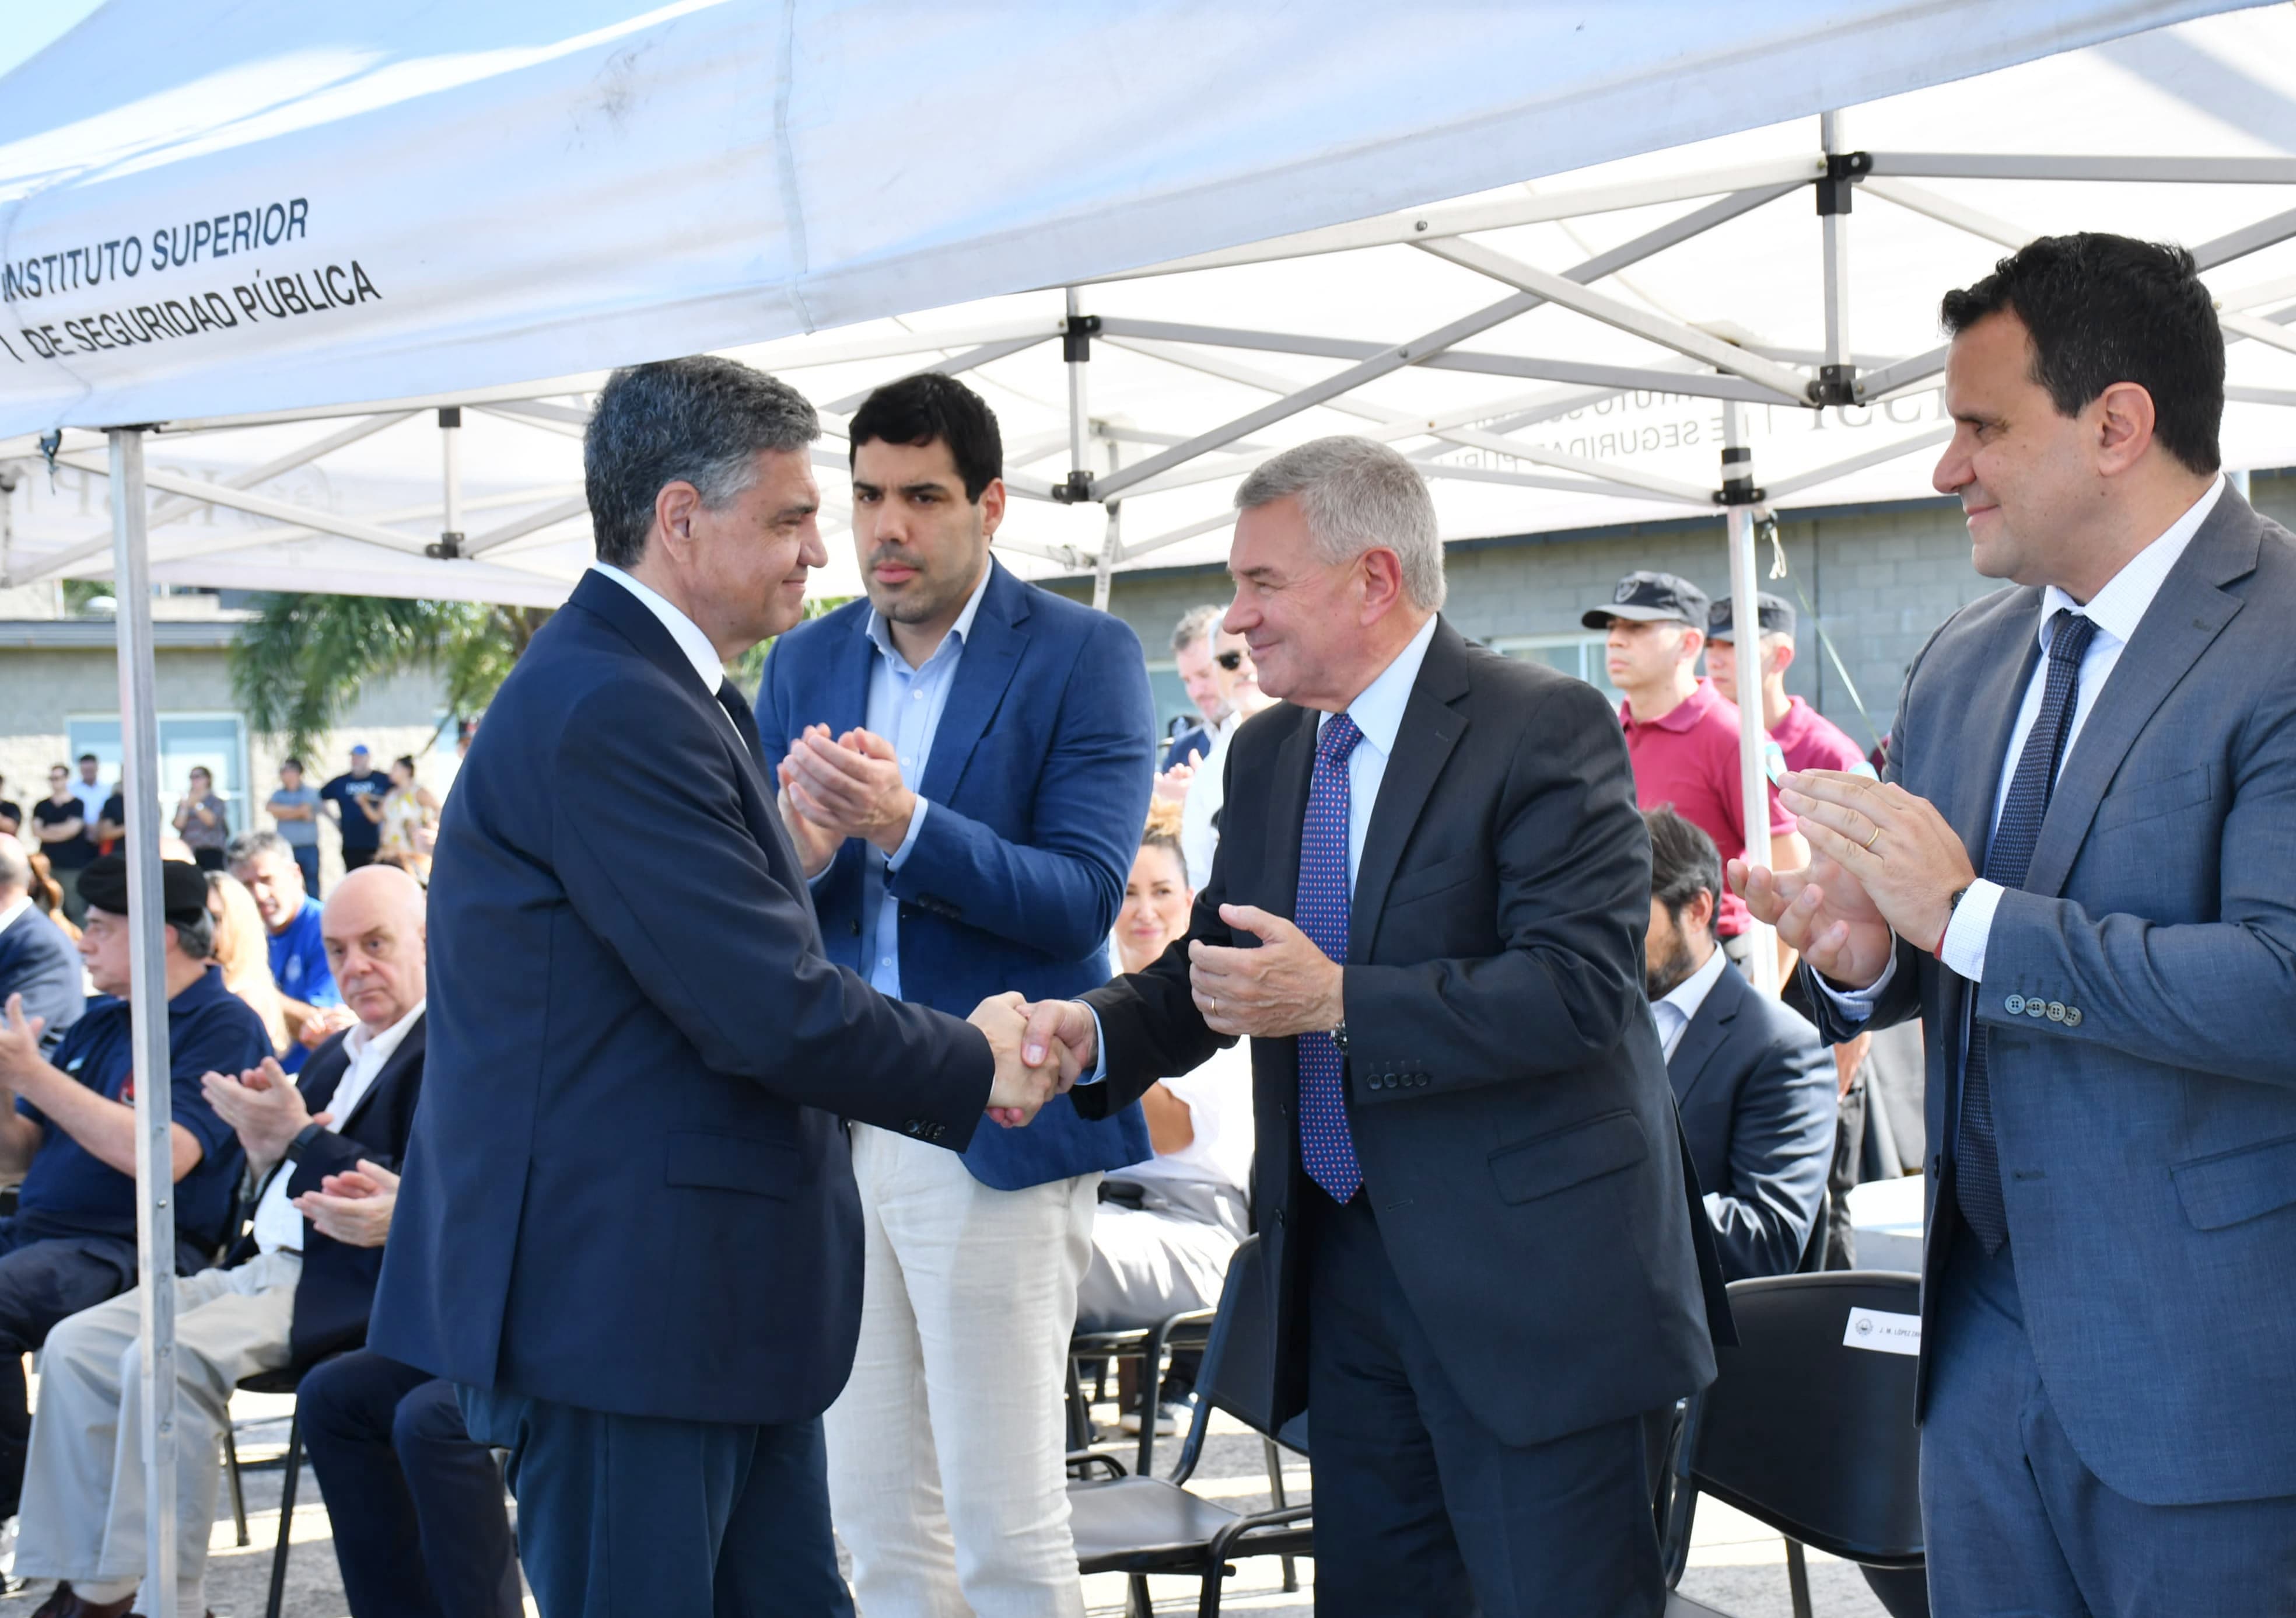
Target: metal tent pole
<point>155,1216</point>
<point>1739,495</point>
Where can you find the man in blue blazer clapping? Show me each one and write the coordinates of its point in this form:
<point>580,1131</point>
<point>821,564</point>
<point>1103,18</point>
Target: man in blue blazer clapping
<point>965,762</point>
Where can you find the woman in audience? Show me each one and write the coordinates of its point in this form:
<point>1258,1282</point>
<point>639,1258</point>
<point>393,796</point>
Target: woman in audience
<point>410,819</point>
<point>242,949</point>
<point>1166,1228</point>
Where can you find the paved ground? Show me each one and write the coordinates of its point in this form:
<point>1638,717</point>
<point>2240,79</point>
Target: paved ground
<point>1735,1565</point>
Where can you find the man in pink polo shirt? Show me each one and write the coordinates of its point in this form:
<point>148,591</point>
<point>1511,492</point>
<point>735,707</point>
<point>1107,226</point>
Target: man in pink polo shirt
<point>1681,735</point>
<point>1809,740</point>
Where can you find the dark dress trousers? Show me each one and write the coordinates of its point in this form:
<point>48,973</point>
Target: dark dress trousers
<point>2109,1402</point>
<point>38,962</point>
<point>416,1503</point>
<point>628,1226</point>
<point>335,1294</point>
<point>1481,1328</point>
<point>1756,1091</point>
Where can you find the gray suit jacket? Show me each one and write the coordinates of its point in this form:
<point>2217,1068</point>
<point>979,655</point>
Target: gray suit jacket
<point>1757,1095</point>
<point>2141,990</point>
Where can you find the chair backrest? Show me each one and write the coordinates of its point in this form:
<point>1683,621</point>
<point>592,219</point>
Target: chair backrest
<point>1808,1426</point>
<point>1238,1373</point>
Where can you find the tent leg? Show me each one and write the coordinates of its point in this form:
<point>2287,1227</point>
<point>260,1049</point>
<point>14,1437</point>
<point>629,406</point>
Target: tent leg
<point>1111,548</point>
<point>1738,492</point>
<point>155,1221</point>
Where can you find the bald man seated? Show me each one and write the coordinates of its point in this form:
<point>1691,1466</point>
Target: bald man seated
<point>298,1286</point>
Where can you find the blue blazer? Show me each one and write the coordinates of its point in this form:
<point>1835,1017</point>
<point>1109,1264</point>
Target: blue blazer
<point>626,1189</point>
<point>2139,996</point>
<point>1039,780</point>
<point>38,961</point>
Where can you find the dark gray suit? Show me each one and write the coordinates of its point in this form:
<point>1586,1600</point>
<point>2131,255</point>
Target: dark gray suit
<point>1517,1283</point>
<point>2136,1341</point>
<point>1756,1091</point>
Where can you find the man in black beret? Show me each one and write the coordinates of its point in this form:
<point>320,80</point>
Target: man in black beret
<point>67,1125</point>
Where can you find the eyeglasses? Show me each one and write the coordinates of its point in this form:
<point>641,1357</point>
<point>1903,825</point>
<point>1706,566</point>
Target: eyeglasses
<point>1229,660</point>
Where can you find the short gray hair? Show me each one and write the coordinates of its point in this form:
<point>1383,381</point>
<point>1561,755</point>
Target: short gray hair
<point>195,936</point>
<point>249,847</point>
<point>1197,623</point>
<point>701,420</point>
<point>1357,495</point>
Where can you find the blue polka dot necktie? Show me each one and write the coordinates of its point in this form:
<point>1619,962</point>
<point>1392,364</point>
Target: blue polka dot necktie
<point>2008,856</point>
<point>1326,1146</point>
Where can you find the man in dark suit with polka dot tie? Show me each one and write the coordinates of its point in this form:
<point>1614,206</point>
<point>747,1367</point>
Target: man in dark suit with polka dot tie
<point>1427,913</point>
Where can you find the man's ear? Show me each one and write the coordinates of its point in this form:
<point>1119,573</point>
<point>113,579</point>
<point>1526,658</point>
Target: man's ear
<point>2124,420</point>
<point>675,506</point>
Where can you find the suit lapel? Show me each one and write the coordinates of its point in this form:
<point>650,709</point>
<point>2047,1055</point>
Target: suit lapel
<point>409,1052</point>
<point>1287,813</point>
<point>2184,618</point>
<point>1431,729</point>
<point>843,705</point>
<point>991,654</point>
<point>1703,1039</point>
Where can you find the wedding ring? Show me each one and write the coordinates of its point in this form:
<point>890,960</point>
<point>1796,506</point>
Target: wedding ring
<point>1215,1001</point>
<point>1876,838</point>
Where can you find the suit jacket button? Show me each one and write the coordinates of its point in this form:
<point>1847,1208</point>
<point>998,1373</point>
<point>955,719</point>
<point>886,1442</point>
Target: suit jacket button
<point>2035,1008</point>
<point>2073,1016</point>
<point>2056,1011</point>
<point>2014,1005</point>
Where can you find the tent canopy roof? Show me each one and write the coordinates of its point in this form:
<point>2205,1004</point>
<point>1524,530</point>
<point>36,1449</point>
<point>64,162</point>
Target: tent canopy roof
<point>534,192</point>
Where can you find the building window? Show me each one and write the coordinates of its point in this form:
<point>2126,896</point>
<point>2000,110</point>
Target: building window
<point>217,741</point>
<point>1578,655</point>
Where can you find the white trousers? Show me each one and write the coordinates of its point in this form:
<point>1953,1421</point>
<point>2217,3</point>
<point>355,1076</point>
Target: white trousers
<point>946,1475</point>
<point>84,1501</point>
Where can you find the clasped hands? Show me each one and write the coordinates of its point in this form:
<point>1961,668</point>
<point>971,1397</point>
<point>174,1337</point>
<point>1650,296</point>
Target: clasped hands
<point>836,788</point>
<point>1883,865</point>
<point>263,1108</point>
<point>1286,986</point>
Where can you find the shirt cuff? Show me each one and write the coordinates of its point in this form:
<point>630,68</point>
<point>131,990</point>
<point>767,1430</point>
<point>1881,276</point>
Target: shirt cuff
<point>917,824</point>
<point>1099,1048</point>
<point>1857,1005</point>
<point>1965,935</point>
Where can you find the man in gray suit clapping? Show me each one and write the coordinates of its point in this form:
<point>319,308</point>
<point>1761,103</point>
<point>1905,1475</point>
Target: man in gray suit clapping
<point>2081,875</point>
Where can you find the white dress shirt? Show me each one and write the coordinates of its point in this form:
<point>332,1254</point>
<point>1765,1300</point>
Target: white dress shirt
<point>1677,1008</point>
<point>2116,609</point>
<point>1207,790</point>
<point>277,1224</point>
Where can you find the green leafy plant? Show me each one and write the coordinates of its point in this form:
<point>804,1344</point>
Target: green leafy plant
<point>304,659</point>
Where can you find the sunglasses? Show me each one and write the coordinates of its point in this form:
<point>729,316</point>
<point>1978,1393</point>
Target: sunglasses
<point>1229,660</point>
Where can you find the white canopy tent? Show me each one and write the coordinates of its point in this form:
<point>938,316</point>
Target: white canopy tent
<point>353,276</point>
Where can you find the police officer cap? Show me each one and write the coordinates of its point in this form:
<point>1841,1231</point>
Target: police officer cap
<point>1775,612</point>
<point>1650,597</point>
<point>183,889</point>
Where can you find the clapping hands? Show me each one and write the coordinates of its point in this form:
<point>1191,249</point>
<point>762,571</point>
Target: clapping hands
<point>263,1108</point>
<point>832,788</point>
<point>355,1208</point>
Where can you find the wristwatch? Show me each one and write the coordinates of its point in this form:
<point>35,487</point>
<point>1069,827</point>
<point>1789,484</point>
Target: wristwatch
<point>304,1136</point>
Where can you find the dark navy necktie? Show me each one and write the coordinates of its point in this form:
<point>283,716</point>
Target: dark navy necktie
<point>2008,857</point>
<point>745,721</point>
<point>1326,1146</point>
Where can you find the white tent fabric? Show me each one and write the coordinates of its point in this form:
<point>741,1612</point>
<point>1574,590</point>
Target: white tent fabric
<point>539,192</point>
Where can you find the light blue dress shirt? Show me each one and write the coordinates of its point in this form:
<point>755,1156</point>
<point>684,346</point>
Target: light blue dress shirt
<point>904,708</point>
<point>1378,712</point>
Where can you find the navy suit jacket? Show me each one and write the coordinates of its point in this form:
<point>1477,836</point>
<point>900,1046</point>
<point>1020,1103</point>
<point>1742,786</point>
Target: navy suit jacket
<point>1504,1086</point>
<point>627,1189</point>
<point>1757,1099</point>
<point>336,1294</point>
<point>38,961</point>
<point>1039,779</point>
<point>2139,990</point>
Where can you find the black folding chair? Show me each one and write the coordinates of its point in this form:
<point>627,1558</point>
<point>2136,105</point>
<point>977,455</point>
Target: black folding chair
<point>285,1380</point>
<point>1153,1347</point>
<point>1136,1524</point>
<point>1809,1428</point>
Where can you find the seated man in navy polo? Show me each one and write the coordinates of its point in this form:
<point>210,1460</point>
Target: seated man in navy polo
<point>71,1132</point>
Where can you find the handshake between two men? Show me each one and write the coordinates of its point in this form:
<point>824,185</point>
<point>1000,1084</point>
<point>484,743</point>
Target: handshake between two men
<point>1284,986</point>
